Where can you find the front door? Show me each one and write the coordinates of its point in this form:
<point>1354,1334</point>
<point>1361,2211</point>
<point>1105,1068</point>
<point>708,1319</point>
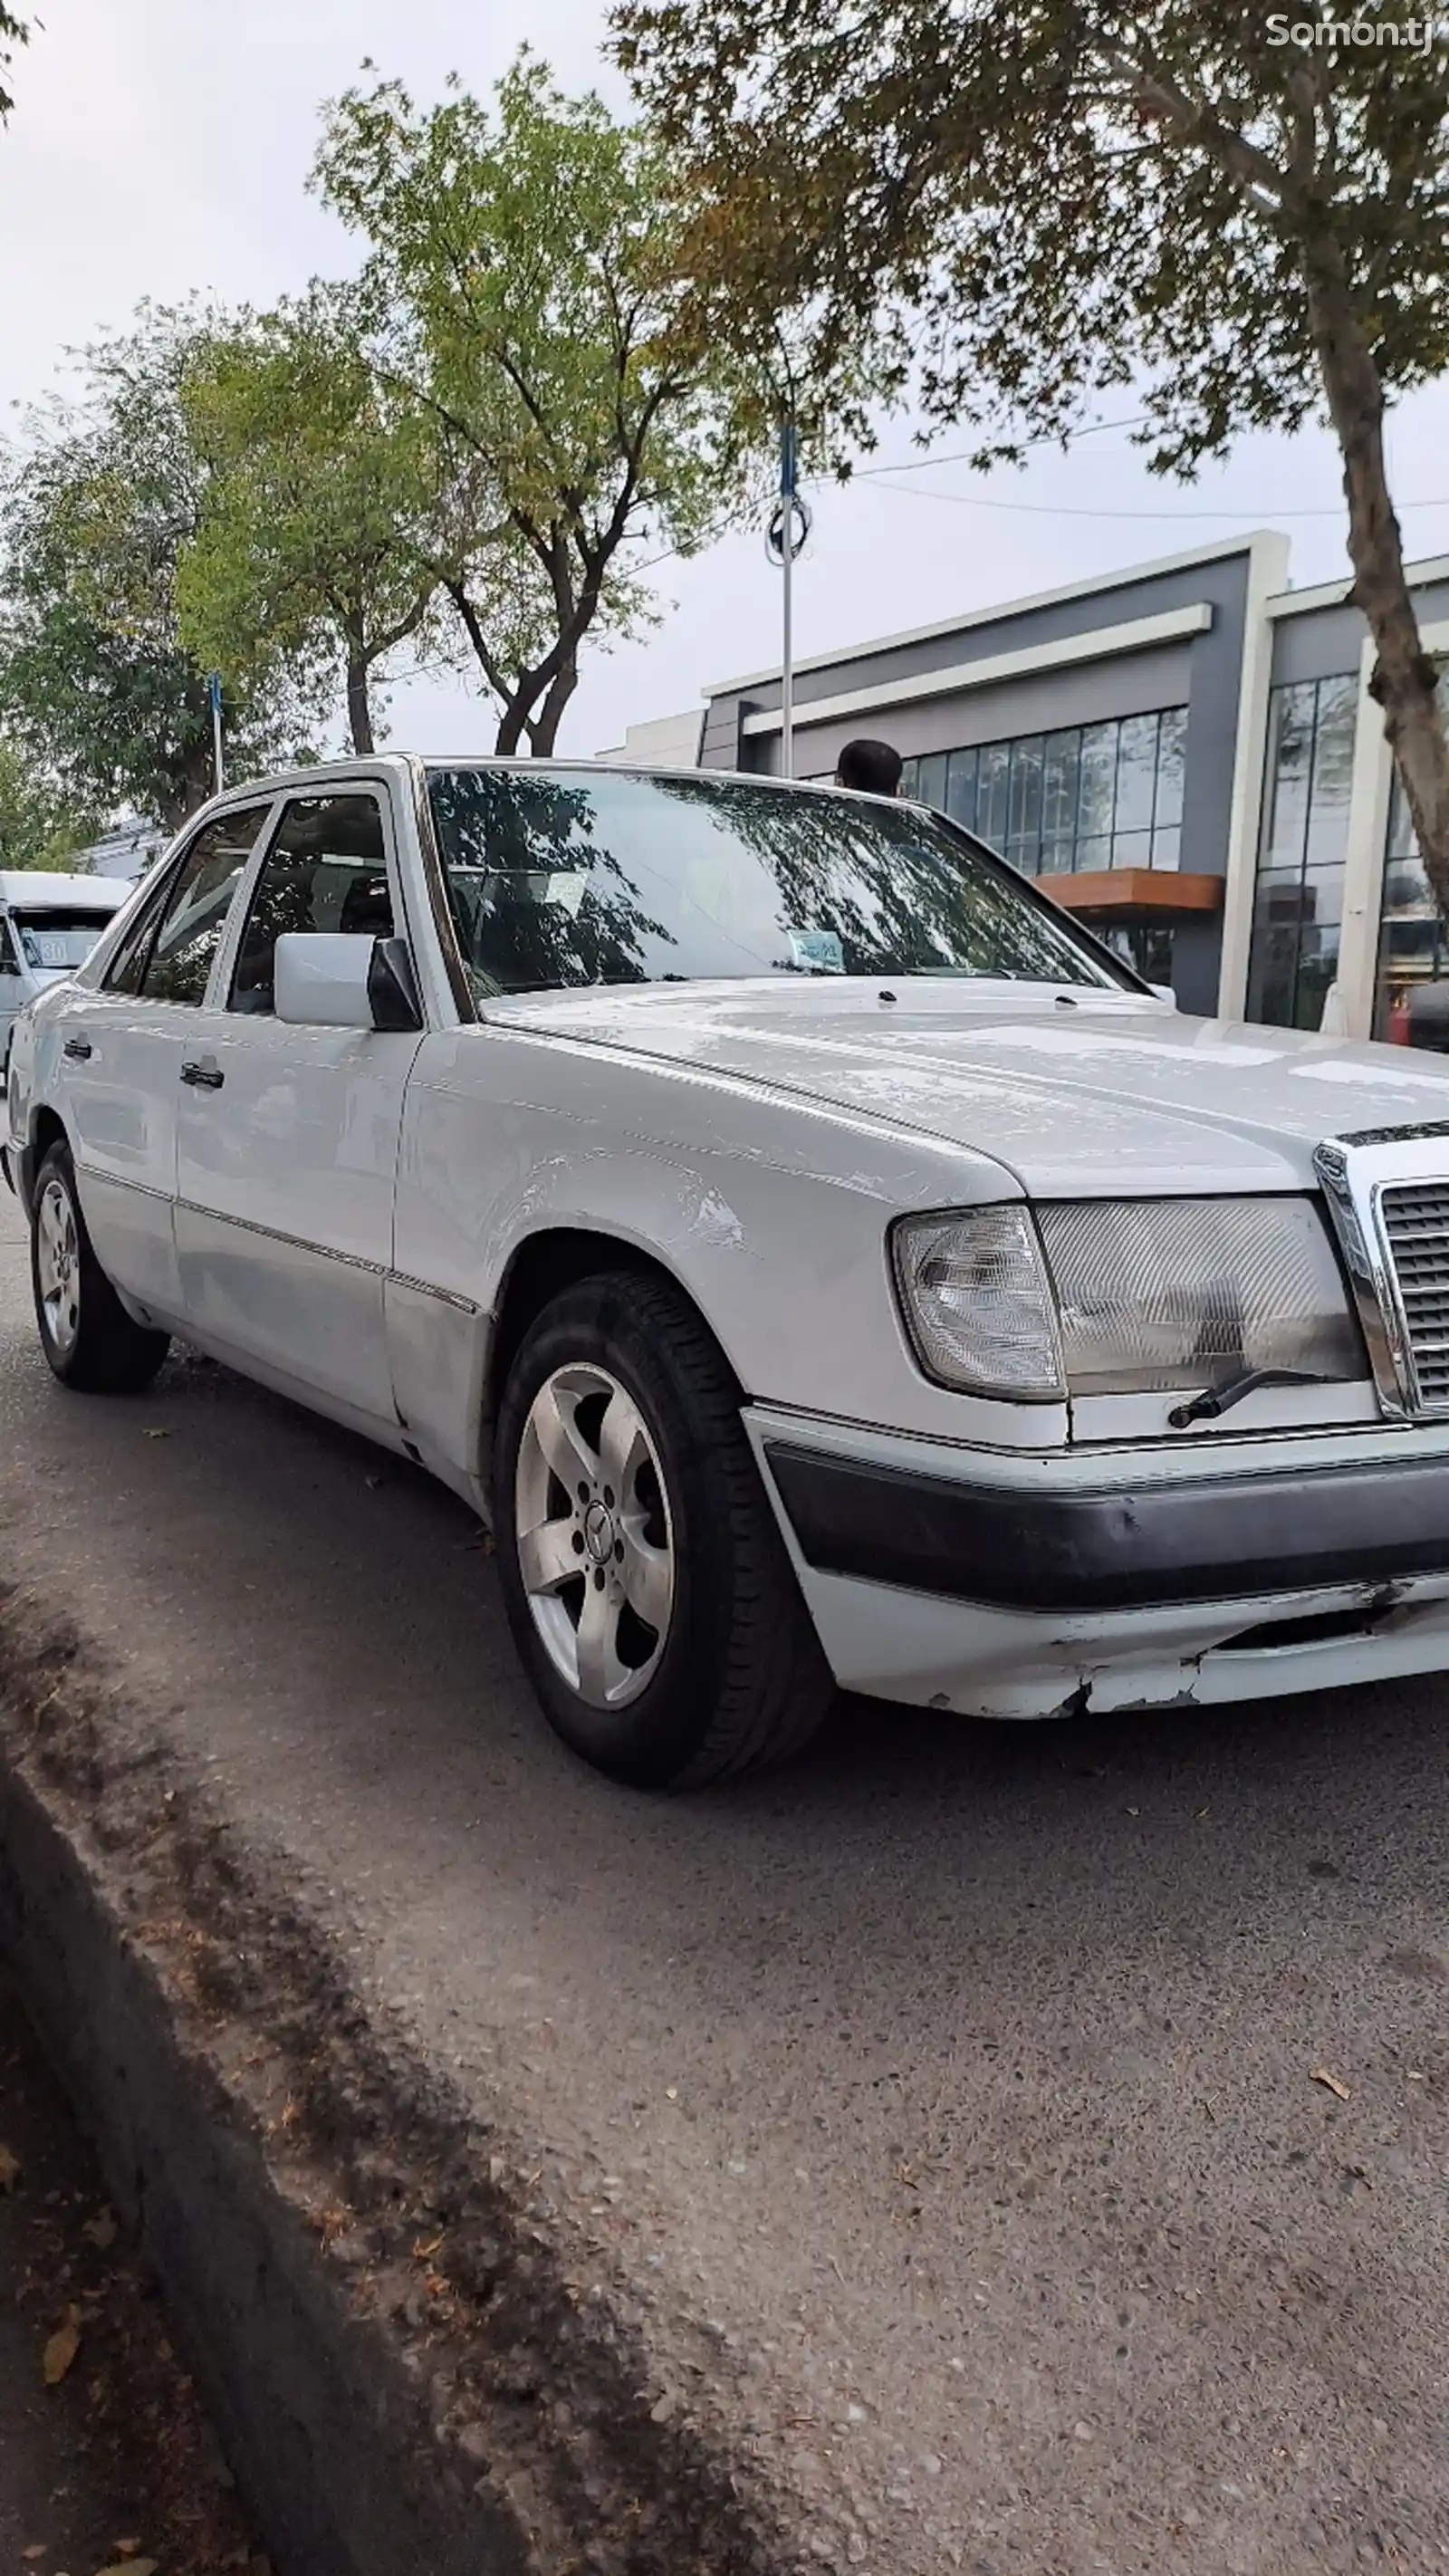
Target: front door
<point>121,1051</point>
<point>288,1137</point>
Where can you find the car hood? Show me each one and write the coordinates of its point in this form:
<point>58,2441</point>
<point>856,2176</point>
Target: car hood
<point>1076,1093</point>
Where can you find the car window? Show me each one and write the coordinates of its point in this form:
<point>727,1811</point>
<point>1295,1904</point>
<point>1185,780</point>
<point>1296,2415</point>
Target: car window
<point>168,953</point>
<point>128,965</point>
<point>326,870</point>
<point>56,938</point>
<point>566,877</point>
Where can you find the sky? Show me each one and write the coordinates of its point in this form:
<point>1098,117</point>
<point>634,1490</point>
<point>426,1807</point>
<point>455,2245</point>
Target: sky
<point>162,146</point>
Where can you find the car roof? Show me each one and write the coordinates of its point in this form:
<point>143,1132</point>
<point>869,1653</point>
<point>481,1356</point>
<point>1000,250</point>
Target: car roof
<point>22,886</point>
<point>359,768</point>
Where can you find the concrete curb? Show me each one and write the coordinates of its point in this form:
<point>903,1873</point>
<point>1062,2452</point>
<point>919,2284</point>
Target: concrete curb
<point>406,2365</point>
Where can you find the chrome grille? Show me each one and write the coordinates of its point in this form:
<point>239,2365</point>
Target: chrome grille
<point>1415,1218</point>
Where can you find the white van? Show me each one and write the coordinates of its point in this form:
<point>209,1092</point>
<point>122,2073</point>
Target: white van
<point>48,926</point>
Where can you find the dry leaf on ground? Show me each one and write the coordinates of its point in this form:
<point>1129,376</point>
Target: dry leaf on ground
<point>1322,2075</point>
<point>102,2230</point>
<point>61,2351</point>
<point>9,2169</point>
<point>132,2567</point>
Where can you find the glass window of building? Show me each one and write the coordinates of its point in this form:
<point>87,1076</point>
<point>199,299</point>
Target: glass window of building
<point>1082,797</point>
<point>1298,903</point>
<point>1411,932</point>
<point>1146,945</point>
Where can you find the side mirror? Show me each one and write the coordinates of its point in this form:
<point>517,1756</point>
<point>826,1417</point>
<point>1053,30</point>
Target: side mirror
<point>337,979</point>
<point>1166,994</point>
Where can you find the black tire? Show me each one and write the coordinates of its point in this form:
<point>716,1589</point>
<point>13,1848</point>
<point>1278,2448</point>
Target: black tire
<point>104,1351</point>
<point>739,1680</point>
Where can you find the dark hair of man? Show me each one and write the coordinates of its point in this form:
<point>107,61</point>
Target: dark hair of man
<point>873,767</point>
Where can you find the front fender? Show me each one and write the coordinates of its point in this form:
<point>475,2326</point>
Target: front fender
<point>771,1213</point>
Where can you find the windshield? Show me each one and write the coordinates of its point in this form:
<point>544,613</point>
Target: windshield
<point>564,877</point>
<point>57,939</point>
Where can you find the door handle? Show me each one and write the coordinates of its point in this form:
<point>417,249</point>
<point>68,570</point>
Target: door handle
<point>203,1075</point>
<point>80,1050</point>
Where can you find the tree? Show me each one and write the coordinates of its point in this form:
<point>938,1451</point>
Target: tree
<point>317,544</point>
<point>524,291</point>
<point>13,31</point>
<point>95,683</point>
<point>40,825</point>
<point>1015,204</point>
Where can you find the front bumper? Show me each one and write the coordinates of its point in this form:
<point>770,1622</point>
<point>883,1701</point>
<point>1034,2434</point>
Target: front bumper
<point>1025,1587</point>
<point>1298,1529</point>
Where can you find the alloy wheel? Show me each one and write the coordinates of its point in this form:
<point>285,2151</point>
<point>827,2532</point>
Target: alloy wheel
<point>58,1265</point>
<point>594,1535</point>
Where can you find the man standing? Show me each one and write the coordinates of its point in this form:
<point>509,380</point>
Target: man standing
<point>872,768</point>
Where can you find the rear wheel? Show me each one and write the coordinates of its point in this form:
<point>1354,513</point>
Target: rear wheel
<point>85,1332</point>
<point>646,1584</point>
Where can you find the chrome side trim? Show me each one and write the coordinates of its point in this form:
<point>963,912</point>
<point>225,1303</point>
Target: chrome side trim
<point>274,1234</point>
<point>326,1252</point>
<point>120,1181</point>
<point>425,1288</point>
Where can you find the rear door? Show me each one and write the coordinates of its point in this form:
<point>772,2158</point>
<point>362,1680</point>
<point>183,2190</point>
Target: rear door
<point>288,1139</point>
<point>120,1052</point>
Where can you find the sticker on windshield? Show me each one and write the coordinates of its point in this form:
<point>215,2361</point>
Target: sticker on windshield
<point>567,888</point>
<point>820,950</point>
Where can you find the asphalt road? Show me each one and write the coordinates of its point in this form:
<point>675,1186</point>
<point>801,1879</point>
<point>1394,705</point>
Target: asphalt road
<point>964,2078</point>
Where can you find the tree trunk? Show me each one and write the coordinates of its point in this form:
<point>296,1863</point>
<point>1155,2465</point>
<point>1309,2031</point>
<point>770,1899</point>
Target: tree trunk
<point>514,719</point>
<point>359,704</point>
<point>190,782</point>
<point>1405,681</point>
<point>517,700</point>
<point>543,730</point>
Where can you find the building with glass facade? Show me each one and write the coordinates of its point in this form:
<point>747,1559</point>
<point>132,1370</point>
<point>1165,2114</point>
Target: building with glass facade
<point>1186,752</point>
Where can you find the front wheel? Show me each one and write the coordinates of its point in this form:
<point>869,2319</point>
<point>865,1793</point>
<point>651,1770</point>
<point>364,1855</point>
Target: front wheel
<point>645,1581</point>
<point>85,1332</point>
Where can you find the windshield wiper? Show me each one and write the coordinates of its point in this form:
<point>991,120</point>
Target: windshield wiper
<point>1215,1400</point>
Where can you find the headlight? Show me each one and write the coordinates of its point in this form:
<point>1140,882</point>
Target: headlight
<point>1129,1299</point>
<point>1195,1292</point>
<point>979,1305</point>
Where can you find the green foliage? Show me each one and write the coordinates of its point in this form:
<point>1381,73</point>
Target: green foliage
<point>524,292</point>
<point>95,684</point>
<point>1032,200</point>
<point>1015,206</point>
<point>316,551</point>
<point>40,825</point>
<point>13,31</point>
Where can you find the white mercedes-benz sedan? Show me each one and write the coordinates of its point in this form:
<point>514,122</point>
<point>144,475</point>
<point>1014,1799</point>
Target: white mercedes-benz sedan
<point>818,1260</point>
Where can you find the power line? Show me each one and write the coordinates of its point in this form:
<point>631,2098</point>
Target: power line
<point>964,455</point>
<point>1072,510</point>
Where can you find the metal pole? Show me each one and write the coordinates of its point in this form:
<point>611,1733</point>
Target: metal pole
<point>214,692</point>
<point>787,672</point>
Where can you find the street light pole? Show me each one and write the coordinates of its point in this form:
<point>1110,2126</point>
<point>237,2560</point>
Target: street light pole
<point>213,691</point>
<point>787,562</point>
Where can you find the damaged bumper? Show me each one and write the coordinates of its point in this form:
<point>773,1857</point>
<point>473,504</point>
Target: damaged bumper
<point>1026,1586</point>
